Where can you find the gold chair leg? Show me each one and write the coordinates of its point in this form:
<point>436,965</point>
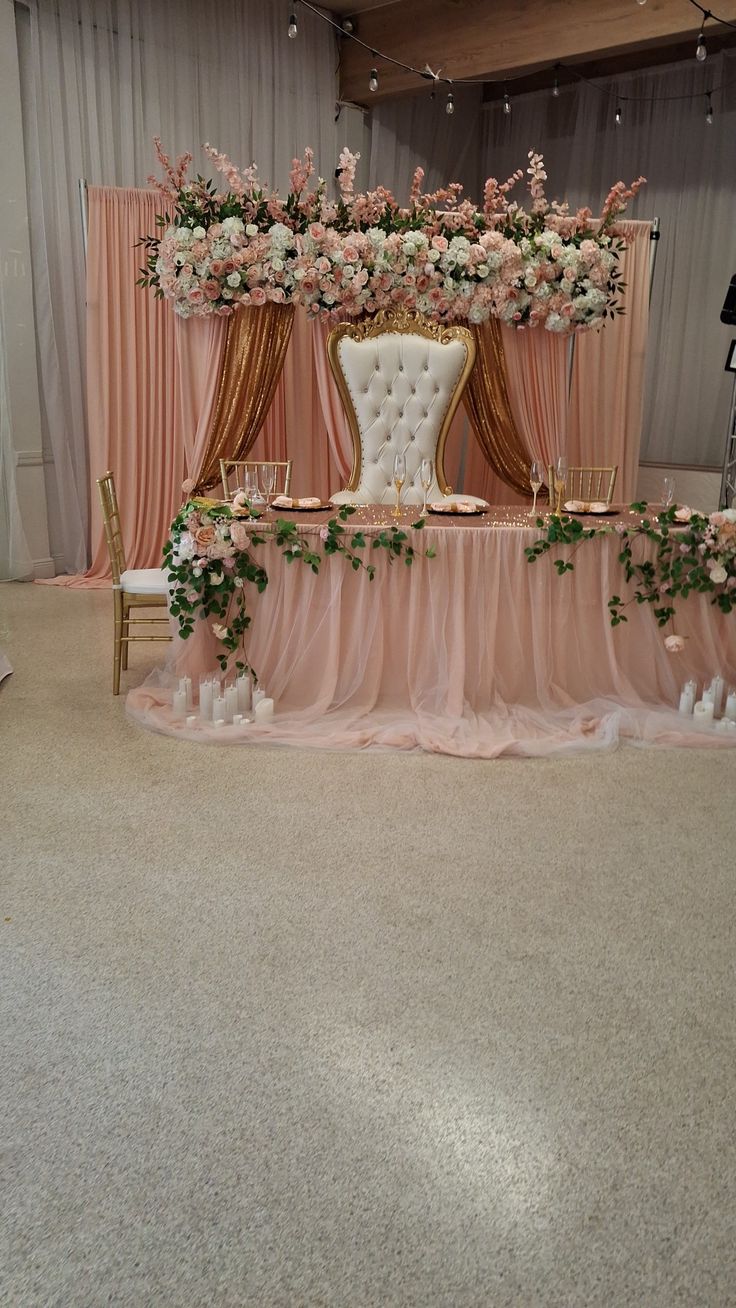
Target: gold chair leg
<point>125,634</point>
<point>118,643</point>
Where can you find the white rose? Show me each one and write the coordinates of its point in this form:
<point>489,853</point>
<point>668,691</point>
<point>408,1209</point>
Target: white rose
<point>718,574</point>
<point>277,264</point>
<point>482,270</point>
<point>199,233</point>
<point>180,258</point>
<point>227,293</point>
<point>348,271</point>
<point>184,235</point>
<point>251,229</point>
<point>433,256</point>
<point>729,515</point>
<point>233,279</point>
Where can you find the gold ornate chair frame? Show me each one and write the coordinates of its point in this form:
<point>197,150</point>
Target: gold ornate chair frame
<point>403,322</point>
<point>586,483</point>
<point>228,465</point>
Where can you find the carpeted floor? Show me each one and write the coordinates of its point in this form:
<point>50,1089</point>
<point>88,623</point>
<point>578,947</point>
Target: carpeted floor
<point>286,1029</point>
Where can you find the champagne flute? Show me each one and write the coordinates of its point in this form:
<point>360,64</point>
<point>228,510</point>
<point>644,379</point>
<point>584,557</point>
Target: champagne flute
<point>399,479</point>
<point>668,492</point>
<point>250,485</point>
<point>268,478</point>
<point>426,475</point>
<point>560,480</point>
<point>536,477</point>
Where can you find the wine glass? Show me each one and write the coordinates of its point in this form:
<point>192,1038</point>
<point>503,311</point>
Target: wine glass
<point>536,477</point>
<point>268,479</point>
<point>668,492</point>
<point>560,480</point>
<point>399,479</point>
<point>426,475</point>
<point>250,484</point>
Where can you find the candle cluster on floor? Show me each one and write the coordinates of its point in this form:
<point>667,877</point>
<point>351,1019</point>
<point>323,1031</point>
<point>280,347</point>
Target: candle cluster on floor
<point>713,709</point>
<point>222,704</point>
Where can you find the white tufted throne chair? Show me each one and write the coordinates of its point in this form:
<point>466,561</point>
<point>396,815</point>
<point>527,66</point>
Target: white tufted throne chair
<point>400,379</point>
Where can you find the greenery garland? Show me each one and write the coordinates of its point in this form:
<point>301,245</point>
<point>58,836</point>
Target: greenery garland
<point>693,552</point>
<point>210,556</point>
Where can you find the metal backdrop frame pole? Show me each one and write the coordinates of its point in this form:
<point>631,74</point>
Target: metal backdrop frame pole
<point>84,214</point>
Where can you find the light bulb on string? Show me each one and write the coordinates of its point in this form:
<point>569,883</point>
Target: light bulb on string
<point>641,2</point>
<point>709,112</point>
<point>701,52</point>
<point>619,115</point>
<point>293,29</point>
<point>373,82</point>
<point>556,90</point>
<point>450,106</point>
<point>506,103</point>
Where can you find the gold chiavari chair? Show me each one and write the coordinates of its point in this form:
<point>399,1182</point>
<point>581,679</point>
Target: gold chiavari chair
<point>228,467</point>
<point>132,588</point>
<point>587,484</point>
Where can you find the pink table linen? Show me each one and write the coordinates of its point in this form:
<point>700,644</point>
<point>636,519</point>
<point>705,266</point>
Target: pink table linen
<point>475,653</point>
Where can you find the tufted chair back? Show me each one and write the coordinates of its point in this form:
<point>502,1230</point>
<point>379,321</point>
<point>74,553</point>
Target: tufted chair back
<point>400,378</point>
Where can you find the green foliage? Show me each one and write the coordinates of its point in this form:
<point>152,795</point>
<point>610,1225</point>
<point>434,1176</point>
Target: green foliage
<point>676,566</point>
<point>221,592</point>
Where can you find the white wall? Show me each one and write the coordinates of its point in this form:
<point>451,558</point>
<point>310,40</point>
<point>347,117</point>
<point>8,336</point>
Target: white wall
<point>17,298</point>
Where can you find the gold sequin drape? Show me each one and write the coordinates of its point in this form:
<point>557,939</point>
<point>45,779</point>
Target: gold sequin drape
<point>255,349</point>
<point>487,402</point>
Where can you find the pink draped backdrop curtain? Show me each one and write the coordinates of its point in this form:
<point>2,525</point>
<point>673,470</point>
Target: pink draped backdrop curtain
<point>607,395</point>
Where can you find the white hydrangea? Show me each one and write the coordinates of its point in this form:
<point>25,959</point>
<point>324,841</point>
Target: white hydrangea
<point>233,224</point>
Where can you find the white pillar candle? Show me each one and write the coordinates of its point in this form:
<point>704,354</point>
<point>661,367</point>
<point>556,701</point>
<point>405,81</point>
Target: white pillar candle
<point>244,689</point>
<point>687,699</point>
<point>219,712</point>
<point>709,696</point>
<point>264,710</point>
<point>704,712</point>
<point>185,684</point>
<point>718,686</point>
<point>731,706</point>
<point>205,699</point>
<point>219,722</point>
<point>179,703</point>
<point>258,696</point>
<point>726,726</point>
<point>238,719</point>
<point>192,720</point>
<point>231,702</point>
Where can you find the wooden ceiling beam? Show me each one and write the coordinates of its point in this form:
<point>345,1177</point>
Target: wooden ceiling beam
<point>507,38</point>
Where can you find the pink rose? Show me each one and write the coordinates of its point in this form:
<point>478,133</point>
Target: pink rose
<point>204,536</point>
<point>187,486</point>
<point>324,532</point>
<point>439,243</point>
<point>316,231</point>
<point>674,644</point>
<point>239,535</point>
<point>683,514</point>
<point>196,295</point>
<point>350,254</point>
<point>258,295</point>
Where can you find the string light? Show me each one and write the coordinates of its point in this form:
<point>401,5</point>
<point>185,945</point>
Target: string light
<point>373,82</point>
<point>709,112</point>
<point>701,53</point>
<point>346,30</point>
<point>556,90</point>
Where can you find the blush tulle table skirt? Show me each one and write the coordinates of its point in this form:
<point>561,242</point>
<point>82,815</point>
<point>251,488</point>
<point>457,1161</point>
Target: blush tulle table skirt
<point>475,653</point>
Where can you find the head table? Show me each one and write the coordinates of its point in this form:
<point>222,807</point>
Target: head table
<point>474,652</point>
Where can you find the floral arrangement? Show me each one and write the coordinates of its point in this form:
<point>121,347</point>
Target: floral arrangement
<point>211,557</point>
<point>694,552</point>
<point>217,249</point>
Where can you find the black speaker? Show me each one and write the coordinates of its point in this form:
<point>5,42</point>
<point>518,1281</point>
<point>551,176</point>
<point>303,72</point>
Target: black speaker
<point>728,312</point>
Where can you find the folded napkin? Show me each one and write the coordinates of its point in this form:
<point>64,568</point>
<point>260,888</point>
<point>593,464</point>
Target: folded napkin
<point>456,506</point>
<point>287,502</point>
<point>586,506</point>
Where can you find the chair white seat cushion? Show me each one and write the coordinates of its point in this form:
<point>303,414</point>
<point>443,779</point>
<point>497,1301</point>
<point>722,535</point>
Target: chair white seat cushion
<point>144,581</point>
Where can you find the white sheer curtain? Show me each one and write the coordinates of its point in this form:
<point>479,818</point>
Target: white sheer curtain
<point>691,187</point>
<point>416,131</point>
<point>99,79</point>
<point>15,556</point>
